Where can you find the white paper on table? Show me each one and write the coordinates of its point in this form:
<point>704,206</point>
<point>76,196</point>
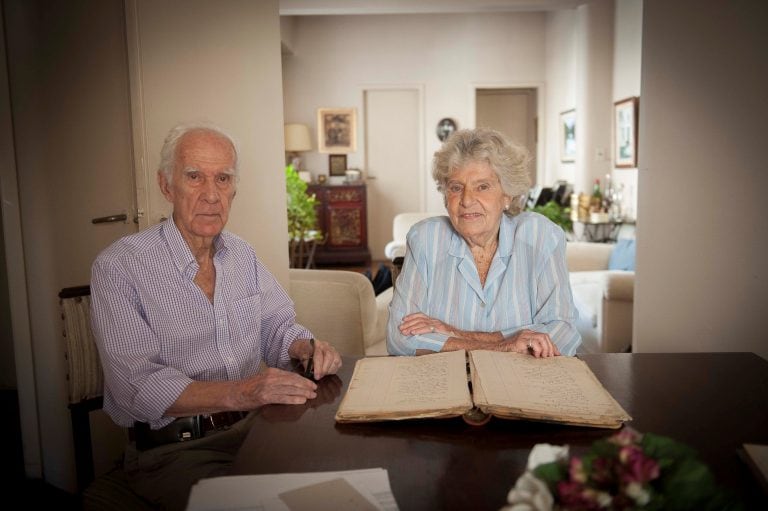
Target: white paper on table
<point>261,492</point>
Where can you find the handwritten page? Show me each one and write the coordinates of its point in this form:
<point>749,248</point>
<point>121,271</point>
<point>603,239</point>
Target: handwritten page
<point>561,389</point>
<point>407,387</point>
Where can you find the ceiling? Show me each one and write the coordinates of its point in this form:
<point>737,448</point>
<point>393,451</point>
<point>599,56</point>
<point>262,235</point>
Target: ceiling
<point>342,7</point>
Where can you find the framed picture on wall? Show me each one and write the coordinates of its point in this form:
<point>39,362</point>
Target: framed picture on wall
<point>336,130</point>
<point>337,164</point>
<point>568,136</point>
<point>625,133</point>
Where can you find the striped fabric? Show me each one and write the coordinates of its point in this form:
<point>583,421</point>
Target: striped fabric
<point>157,331</point>
<point>527,284</point>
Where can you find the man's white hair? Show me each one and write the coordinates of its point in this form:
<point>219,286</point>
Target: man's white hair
<point>168,152</point>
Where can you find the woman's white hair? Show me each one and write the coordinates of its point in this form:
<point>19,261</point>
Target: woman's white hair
<point>509,161</point>
<point>168,152</point>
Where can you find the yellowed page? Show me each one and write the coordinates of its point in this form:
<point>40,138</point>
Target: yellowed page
<point>560,389</point>
<point>387,388</point>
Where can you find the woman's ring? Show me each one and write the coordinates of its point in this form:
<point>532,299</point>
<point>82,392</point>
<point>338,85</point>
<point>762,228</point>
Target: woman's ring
<point>432,329</point>
<point>530,344</point>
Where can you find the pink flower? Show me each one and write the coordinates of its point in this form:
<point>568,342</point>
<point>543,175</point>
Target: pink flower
<point>576,470</point>
<point>603,471</point>
<point>573,495</point>
<point>638,468</point>
<point>627,436</point>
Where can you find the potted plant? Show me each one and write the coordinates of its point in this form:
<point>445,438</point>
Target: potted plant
<point>560,215</point>
<point>303,234</point>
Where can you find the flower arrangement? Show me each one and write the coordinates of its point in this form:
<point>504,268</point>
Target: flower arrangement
<point>626,471</point>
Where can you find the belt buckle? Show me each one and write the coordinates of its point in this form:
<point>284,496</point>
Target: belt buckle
<point>182,429</point>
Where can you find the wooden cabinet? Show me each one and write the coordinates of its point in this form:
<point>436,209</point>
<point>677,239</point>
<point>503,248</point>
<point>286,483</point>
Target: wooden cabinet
<point>342,217</point>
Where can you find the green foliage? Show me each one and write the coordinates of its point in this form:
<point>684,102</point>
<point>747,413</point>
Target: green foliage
<point>302,217</point>
<point>558,214</point>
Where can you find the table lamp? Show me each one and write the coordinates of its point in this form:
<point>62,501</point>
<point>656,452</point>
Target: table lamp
<point>296,140</point>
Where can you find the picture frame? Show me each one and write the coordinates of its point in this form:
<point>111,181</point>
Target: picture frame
<point>337,164</point>
<point>568,136</point>
<point>625,133</point>
<point>336,130</point>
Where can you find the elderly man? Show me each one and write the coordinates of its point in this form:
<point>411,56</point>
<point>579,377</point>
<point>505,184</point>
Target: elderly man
<point>185,315</point>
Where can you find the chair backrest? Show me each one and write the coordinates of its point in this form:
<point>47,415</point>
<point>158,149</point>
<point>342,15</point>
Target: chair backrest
<point>336,306</point>
<point>85,378</point>
<point>84,374</point>
<point>401,224</point>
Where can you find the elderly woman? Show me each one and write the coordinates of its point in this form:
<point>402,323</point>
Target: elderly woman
<point>488,276</point>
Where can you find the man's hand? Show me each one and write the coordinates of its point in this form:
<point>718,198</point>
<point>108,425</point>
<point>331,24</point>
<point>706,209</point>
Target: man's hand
<point>275,386</point>
<point>326,359</point>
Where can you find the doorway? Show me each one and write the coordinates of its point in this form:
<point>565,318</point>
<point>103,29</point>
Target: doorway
<point>513,112</point>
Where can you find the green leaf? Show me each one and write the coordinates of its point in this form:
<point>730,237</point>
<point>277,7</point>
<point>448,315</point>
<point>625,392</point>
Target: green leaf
<point>556,213</point>
<point>551,473</point>
<point>302,217</point>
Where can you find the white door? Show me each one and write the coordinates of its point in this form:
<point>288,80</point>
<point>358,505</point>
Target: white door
<point>71,140</point>
<point>512,112</point>
<point>393,170</point>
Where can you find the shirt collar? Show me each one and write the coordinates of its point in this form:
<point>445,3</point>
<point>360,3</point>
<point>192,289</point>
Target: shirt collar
<point>181,254</point>
<point>460,248</point>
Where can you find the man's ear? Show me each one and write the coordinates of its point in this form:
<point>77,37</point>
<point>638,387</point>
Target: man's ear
<point>165,186</point>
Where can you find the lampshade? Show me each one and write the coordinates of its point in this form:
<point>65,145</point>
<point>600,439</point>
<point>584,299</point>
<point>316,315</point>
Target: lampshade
<point>297,138</point>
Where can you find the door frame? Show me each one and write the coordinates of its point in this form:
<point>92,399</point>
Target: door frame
<point>18,299</point>
<point>540,123</point>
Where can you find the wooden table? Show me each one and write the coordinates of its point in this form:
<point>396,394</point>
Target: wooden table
<point>714,402</point>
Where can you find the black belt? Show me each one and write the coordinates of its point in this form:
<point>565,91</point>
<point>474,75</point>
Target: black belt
<point>183,429</point>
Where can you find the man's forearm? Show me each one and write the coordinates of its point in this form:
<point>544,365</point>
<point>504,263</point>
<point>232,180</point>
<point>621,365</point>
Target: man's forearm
<point>205,397</point>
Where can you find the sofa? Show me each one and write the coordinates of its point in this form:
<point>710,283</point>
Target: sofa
<point>604,296</point>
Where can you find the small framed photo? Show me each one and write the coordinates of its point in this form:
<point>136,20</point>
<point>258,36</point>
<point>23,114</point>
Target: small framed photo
<point>625,133</point>
<point>336,130</point>
<point>337,164</point>
<point>568,136</point>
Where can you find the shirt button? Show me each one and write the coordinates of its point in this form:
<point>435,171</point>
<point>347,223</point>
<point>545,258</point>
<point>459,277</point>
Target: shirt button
<point>230,359</point>
<point>482,304</point>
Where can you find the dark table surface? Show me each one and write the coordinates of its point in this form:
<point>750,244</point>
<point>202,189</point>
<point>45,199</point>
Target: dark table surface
<point>714,402</point>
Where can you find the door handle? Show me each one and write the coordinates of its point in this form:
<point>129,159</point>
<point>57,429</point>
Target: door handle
<point>111,218</point>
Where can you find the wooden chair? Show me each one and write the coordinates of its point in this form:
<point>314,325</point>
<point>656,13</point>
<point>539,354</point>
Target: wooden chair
<point>84,375</point>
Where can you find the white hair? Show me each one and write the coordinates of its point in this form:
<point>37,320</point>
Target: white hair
<point>168,152</point>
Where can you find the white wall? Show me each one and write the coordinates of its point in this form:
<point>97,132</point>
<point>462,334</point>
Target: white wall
<point>701,271</point>
<point>627,59</point>
<point>569,53</point>
<point>219,62</point>
<point>560,91</point>
<point>335,57</point>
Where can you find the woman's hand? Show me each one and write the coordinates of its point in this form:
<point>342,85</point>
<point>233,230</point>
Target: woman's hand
<point>419,323</point>
<point>527,341</point>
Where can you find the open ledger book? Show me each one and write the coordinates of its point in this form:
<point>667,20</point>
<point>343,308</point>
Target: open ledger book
<point>506,385</point>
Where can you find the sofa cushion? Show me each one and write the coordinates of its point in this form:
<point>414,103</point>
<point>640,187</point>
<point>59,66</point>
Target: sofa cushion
<point>623,255</point>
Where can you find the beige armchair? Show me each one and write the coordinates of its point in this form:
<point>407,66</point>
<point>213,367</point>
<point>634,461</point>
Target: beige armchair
<point>339,307</point>
<point>604,298</point>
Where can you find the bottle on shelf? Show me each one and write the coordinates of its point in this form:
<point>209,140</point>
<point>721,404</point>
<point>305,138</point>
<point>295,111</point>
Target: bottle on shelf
<point>607,195</point>
<point>596,202</point>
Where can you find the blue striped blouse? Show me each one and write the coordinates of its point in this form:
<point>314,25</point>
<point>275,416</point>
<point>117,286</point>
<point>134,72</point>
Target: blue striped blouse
<point>527,284</point>
<point>156,331</point>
